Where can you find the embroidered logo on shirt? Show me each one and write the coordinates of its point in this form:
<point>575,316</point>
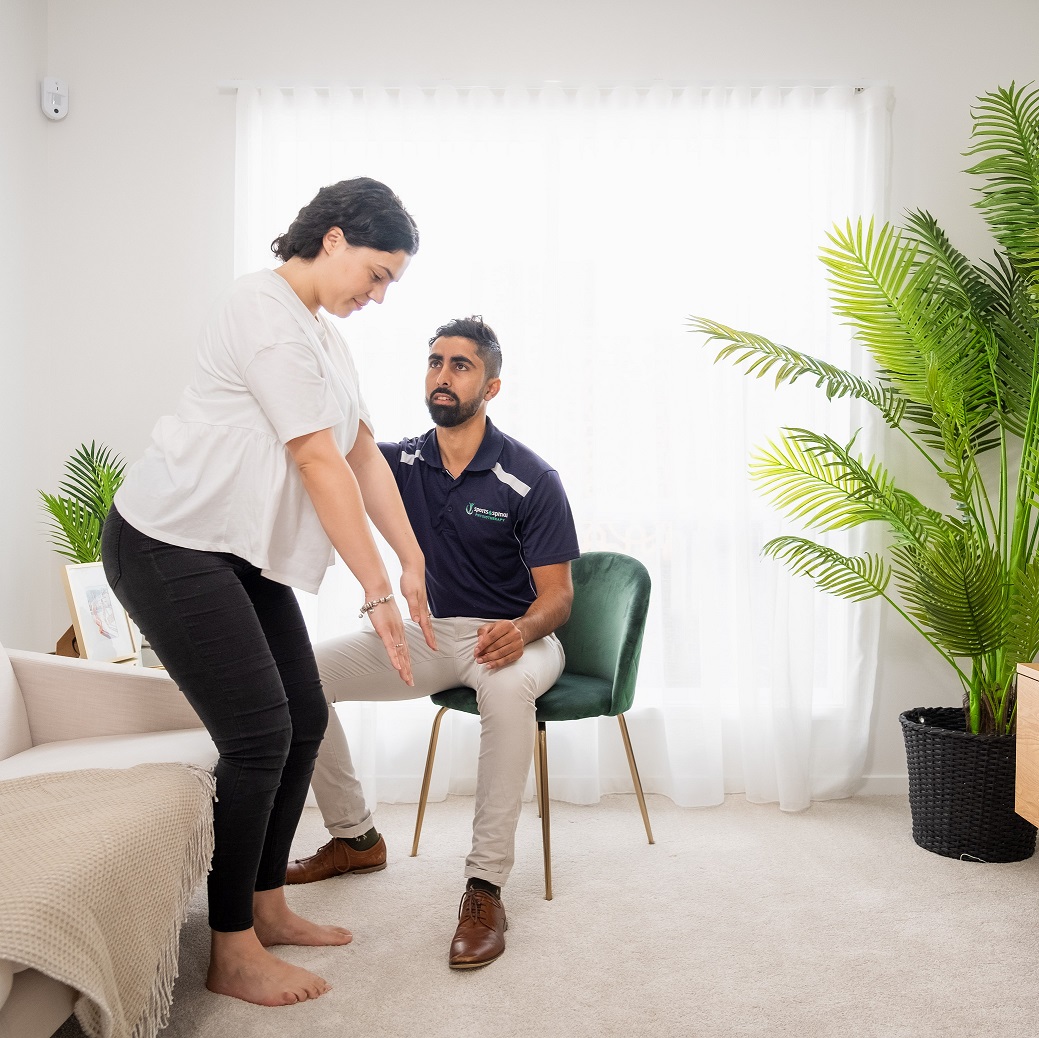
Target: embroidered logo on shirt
<point>485,513</point>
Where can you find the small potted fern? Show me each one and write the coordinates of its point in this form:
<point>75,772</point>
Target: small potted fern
<point>77,512</point>
<point>955,345</point>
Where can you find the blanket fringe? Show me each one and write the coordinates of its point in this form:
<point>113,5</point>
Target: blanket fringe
<point>156,1013</point>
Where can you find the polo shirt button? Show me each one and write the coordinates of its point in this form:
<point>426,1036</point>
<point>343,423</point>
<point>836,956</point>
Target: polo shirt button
<point>450,508</point>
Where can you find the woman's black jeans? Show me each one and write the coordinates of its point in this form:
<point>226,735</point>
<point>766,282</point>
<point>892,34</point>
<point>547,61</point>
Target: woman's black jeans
<point>236,645</point>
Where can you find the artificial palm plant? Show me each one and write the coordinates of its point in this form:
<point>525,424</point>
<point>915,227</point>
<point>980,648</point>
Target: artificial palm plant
<point>956,348</point>
<point>92,476</point>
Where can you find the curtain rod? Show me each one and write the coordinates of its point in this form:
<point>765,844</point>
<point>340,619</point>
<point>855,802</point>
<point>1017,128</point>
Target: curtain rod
<point>232,86</point>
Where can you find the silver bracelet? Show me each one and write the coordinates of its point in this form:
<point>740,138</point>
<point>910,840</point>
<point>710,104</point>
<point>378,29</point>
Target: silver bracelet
<point>369,606</point>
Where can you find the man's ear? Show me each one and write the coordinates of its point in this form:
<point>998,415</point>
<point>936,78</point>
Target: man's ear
<point>490,391</point>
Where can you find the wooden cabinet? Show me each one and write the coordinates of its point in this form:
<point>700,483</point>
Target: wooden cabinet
<point>1027,786</point>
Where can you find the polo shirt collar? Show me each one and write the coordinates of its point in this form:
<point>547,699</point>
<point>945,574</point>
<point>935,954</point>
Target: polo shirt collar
<point>486,457</point>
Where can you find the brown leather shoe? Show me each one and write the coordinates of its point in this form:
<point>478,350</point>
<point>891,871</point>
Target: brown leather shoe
<point>336,858</point>
<point>480,936</point>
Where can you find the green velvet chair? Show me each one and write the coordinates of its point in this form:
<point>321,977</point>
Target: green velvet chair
<point>602,640</point>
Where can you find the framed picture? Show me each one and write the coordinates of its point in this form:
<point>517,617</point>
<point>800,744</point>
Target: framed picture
<point>102,627</point>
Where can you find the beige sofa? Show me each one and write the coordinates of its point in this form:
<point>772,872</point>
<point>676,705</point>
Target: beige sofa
<point>60,714</point>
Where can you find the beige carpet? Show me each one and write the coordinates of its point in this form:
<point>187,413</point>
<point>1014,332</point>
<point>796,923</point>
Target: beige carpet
<point>741,920</point>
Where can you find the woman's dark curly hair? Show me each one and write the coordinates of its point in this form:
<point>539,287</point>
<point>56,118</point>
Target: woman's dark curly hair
<point>368,213</point>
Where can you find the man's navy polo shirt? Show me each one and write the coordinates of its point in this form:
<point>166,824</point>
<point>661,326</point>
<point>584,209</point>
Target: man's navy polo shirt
<point>483,532</point>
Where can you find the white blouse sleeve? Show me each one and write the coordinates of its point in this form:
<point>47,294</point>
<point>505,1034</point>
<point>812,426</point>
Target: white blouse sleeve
<point>294,393</point>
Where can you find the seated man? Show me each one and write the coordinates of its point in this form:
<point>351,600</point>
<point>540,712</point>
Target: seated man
<point>495,526</point>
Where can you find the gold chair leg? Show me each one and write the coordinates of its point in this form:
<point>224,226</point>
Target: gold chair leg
<point>546,835</point>
<point>426,776</point>
<point>537,771</point>
<point>635,775</point>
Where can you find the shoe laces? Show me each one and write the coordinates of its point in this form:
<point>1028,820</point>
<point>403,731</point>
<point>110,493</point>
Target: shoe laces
<point>476,905</point>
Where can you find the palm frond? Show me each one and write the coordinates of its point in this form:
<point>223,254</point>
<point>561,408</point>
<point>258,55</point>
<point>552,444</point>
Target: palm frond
<point>811,477</point>
<point>1014,365</point>
<point>92,476</point>
<point>954,586</point>
<point>74,529</point>
<point>1006,132</point>
<point>855,578</point>
<point>758,356</point>
<point>921,418</point>
<point>877,283</point>
<point>1008,287</point>
<point>963,284</point>
<point>1014,324</point>
<point>901,309</point>
<point>1028,469</point>
<point>1023,627</point>
<point>963,408</point>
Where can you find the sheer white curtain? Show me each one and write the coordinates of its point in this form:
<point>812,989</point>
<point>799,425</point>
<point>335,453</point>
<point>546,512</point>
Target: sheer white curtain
<point>586,225</point>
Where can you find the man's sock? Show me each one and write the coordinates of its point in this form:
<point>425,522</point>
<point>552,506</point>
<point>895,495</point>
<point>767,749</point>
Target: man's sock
<point>363,842</point>
<point>482,884</point>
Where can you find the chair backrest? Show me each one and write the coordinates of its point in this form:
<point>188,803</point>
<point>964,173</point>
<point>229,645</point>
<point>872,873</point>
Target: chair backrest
<point>14,722</point>
<point>603,637</point>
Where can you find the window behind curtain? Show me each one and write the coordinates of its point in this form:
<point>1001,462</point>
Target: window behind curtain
<point>585,225</point>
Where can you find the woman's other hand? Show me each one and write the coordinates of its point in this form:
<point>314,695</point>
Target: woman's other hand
<point>386,619</point>
<point>413,588</point>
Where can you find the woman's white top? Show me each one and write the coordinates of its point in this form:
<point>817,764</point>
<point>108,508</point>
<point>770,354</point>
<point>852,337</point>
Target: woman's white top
<point>217,475</point>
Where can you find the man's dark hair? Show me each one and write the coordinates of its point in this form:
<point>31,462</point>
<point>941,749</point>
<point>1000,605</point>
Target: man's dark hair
<point>368,213</point>
<point>478,331</point>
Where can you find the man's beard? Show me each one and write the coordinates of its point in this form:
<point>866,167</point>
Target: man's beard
<point>447,416</point>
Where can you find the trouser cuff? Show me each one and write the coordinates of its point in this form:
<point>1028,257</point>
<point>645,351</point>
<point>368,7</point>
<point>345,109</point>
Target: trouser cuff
<point>347,832</point>
<point>496,879</point>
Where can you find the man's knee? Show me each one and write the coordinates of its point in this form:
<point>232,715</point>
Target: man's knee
<point>519,691</point>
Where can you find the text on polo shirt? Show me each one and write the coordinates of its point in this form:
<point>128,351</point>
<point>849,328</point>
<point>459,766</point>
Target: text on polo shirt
<point>485,513</point>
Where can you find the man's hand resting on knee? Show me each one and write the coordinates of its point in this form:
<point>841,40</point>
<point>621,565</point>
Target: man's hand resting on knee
<point>499,642</point>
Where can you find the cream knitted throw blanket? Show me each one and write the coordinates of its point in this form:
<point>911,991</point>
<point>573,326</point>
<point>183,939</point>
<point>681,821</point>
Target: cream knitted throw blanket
<point>96,871</point>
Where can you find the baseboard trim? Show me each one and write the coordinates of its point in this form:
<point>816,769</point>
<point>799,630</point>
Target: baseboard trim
<point>884,785</point>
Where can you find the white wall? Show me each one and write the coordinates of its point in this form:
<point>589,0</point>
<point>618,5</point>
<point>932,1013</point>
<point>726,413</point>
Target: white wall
<point>23,346</point>
<point>139,179</point>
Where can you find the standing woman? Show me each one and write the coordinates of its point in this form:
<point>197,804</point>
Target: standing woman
<point>269,463</point>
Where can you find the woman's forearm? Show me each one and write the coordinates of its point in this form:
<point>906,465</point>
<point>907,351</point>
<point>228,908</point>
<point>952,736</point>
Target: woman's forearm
<point>381,498</point>
<point>382,501</point>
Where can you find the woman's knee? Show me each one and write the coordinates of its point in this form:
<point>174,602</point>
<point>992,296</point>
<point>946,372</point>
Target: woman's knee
<point>309,717</point>
<point>263,747</point>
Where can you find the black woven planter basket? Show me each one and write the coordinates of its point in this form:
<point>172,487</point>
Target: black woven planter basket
<point>961,789</point>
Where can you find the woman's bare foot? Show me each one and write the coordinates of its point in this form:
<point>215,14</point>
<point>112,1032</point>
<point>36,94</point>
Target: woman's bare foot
<point>241,967</point>
<point>276,923</point>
